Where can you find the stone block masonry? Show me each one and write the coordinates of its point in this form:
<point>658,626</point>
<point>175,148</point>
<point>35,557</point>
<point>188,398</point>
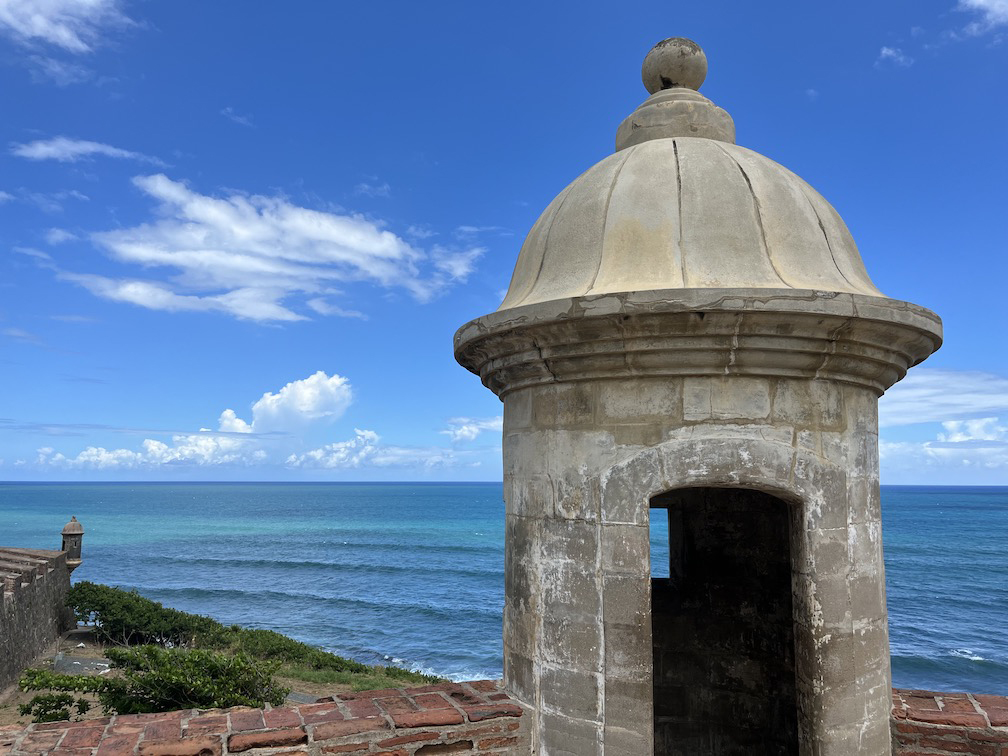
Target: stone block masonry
<point>33,587</point>
<point>476,718</point>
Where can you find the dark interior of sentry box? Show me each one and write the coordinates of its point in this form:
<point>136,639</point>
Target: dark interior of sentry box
<point>722,626</point>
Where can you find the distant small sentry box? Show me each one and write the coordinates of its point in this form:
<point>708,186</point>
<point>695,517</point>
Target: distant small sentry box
<point>73,534</point>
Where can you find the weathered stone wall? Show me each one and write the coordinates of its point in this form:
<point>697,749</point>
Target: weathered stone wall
<point>582,461</point>
<point>33,586</point>
<point>722,626</point>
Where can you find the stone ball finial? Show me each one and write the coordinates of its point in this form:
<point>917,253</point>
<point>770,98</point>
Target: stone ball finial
<point>674,62</point>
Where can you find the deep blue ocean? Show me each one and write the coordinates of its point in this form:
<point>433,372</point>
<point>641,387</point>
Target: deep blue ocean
<point>413,573</point>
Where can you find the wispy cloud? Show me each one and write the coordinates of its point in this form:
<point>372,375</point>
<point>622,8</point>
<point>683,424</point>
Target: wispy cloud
<point>59,236</point>
<point>893,56</point>
<point>969,461</point>
<point>58,33</point>
<point>73,26</point>
<point>6,197</point>
<point>248,255</point>
<point>73,318</point>
<point>22,336</point>
<point>456,263</point>
<point>232,115</point>
<point>993,14</point>
<point>32,252</point>
<point>470,232</point>
<point>58,429</point>
<point>938,396</point>
<point>373,189</point>
<point>324,307</point>
<point>63,73</point>
<point>51,202</point>
<point>468,428</point>
<point>420,232</point>
<point>66,150</point>
<point>811,94</point>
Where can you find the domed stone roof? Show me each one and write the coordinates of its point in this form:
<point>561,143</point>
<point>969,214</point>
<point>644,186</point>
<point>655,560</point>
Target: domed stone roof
<point>73,527</point>
<point>680,206</point>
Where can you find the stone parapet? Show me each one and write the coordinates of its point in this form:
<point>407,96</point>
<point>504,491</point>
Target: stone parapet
<point>926,723</point>
<point>448,718</point>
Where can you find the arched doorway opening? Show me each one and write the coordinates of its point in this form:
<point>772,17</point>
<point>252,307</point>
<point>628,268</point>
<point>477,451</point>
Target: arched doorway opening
<point>722,625</point>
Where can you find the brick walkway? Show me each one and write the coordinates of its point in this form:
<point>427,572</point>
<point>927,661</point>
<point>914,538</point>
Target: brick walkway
<point>449,718</point>
<point>926,723</point>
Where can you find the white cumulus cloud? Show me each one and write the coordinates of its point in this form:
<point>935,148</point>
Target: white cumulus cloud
<point>978,429</point>
<point>317,398</point>
<point>963,462</point>
<point>366,449</point>
<point>248,255</point>
<point>270,439</point>
<point>468,428</point>
<point>972,446</point>
<point>67,150</point>
<point>339,454</point>
<point>198,449</point>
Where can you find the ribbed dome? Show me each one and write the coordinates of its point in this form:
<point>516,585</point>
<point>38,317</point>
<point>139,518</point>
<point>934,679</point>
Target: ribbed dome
<point>681,206</point>
<point>686,212</point>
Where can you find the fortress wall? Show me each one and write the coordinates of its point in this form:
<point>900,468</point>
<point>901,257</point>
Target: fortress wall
<point>33,586</point>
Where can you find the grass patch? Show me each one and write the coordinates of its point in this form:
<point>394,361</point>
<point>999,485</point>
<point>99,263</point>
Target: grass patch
<point>379,678</point>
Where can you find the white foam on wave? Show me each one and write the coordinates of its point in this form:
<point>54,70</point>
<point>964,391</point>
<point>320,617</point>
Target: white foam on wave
<point>463,676</point>
<point>965,653</point>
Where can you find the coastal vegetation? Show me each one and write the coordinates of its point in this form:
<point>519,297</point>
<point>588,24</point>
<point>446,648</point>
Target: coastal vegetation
<point>151,678</point>
<point>163,659</point>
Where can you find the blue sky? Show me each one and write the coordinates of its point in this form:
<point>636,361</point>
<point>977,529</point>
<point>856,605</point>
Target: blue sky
<point>236,238</point>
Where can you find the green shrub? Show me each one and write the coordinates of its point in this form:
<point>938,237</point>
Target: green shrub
<point>54,707</point>
<point>127,618</point>
<point>165,679</point>
<point>157,679</point>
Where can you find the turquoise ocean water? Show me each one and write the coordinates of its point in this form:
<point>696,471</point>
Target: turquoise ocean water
<point>413,573</point>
